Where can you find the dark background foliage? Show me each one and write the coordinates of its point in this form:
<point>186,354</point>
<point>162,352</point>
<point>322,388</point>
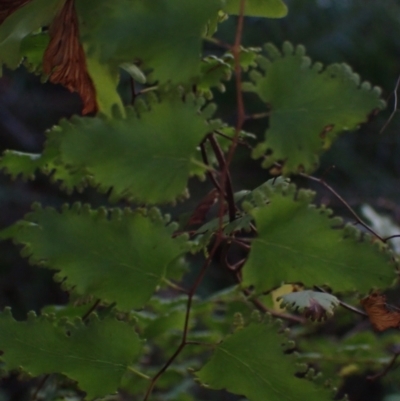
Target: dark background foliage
<point>362,33</point>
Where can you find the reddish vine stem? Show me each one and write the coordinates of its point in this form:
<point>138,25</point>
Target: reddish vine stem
<point>284,316</point>
<point>183,343</point>
<point>206,162</point>
<point>228,182</point>
<point>241,115</point>
<point>224,183</point>
<point>240,110</point>
<point>347,206</point>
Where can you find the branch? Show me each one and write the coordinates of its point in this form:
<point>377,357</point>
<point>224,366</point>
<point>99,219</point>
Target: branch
<point>228,182</point>
<point>345,204</point>
<point>184,342</point>
<point>394,106</point>
<point>343,304</point>
<point>225,185</point>
<point>284,316</point>
<point>209,173</point>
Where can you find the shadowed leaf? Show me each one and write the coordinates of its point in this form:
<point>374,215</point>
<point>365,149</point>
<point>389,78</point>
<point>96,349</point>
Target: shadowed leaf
<point>309,106</point>
<point>119,258</point>
<point>251,362</point>
<point>95,355</point>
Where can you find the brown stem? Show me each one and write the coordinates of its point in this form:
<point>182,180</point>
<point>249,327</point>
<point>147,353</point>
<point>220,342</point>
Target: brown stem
<point>344,304</point>
<point>394,106</point>
<point>223,187</point>
<point>206,162</point>
<point>284,316</point>
<point>183,343</point>
<point>347,206</point>
<point>228,182</point>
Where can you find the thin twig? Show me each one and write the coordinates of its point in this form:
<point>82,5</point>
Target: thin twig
<point>229,138</point>
<point>40,386</point>
<point>228,182</point>
<point>284,316</point>
<point>238,242</point>
<point>218,42</point>
<point>391,237</point>
<point>209,173</point>
<point>257,116</point>
<point>344,304</point>
<point>224,186</point>
<point>241,115</point>
<point>348,207</point>
<point>175,286</point>
<point>182,345</point>
<point>200,343</point>
<point>394,106</point>
<point>92,308</point>
<point>386,370</point>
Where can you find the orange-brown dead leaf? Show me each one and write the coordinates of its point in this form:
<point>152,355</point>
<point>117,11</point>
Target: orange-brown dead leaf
<point>380,315</point>
<point>64,59</point>
<point>7,7</point>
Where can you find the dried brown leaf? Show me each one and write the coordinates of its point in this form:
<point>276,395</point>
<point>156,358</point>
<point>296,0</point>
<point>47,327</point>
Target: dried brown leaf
<point>64,59</point>
<point>7,7</point>
<point>379,313</point>
<point>200,213</point>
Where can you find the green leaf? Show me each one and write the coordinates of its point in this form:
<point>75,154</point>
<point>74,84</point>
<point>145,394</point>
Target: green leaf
<point>96,355</point>
<point>120,32</point>
<point>25,165</point>
<point>317,305</point>
<point>130,155</point>
<point>33,48</point>
<point>251,362</point>
<point>20,164</point>
<point>118,258</point>
<point>309,107</point>
<point>20,24</point>
<point>298,242</point>
<point>258,8</point>
<point>214,70</point>
<point>105,80</point>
